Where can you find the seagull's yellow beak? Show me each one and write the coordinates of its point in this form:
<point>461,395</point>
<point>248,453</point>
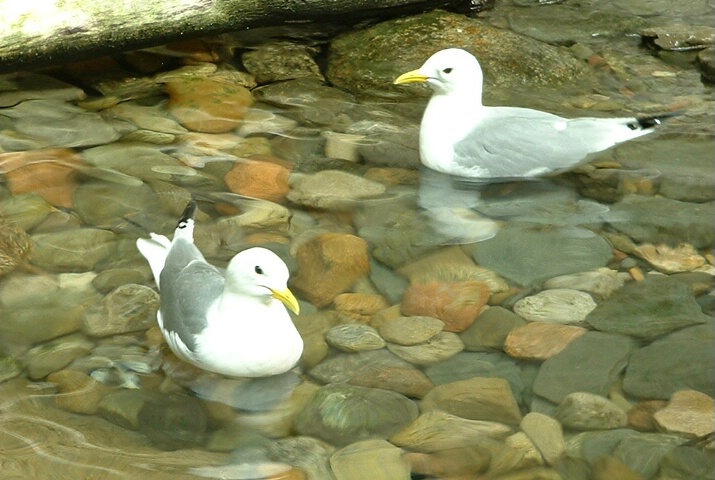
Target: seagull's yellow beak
<point>288,299</point>
<point>411,77</point>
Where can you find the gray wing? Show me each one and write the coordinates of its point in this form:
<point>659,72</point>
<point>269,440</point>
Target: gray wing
<point>514,142</point>
<point>188,287</point>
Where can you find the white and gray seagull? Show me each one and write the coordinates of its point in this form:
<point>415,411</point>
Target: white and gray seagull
<point>461,136</point>
<point>233,321</point>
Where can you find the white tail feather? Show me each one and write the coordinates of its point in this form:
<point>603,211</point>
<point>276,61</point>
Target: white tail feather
<point>154,249</point>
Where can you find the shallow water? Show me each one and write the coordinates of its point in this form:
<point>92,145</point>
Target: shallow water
<point>112,175</point>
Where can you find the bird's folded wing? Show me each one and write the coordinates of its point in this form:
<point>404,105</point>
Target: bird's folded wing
<point>527,142</point>
<point>188,288</point>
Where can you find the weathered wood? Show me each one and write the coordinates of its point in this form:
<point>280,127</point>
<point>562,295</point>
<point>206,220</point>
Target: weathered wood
<point>36,33</point>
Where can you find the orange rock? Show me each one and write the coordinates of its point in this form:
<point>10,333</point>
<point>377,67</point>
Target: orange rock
<point>360,306</point>
<point>51,173</point>
<point>329,265</point>
<point>215,104</point>
<point>457,304</point>
<point>540,340</point>
<point>264,180</point>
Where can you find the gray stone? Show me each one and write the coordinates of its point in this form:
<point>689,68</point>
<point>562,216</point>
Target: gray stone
<point>278,61</point>
<point>21,86</point>
<point>332,190</point>
<point>128,308</point>
<point>435,430</point>
<point>58,124</point>
<point>374,459</point>
<point>397,231</point>
<point>72,250</point>
<point>307,453</point>
<point>599,358</point>
<point>528,255</point>
<point>662,220</point>
<point>490,329</point>
<point>354,338</point>
<point>438,348</point>
<point>587,411</point>
<point>648,309</point>
<point>26,210</point>
<point>707,64</point>
<point>410,330</point>
<point>173,421</point>
<point>466,365</point>
<point>681,360</point>
<point>594,445</point>
<point>309,101</point>
<point>343,367</point>
<point>391,285</point>
<point>687,463</point>
<point>343,414</point>
<point>643,453</point>
<point>600,283</point>
<point>122,407</point>
<point>9,368</point>
<point>475,399</point>
<point>679,36</point>
<point>55,355</point>
<point>117,201</point>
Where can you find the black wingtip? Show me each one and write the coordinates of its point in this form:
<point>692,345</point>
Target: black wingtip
<point>652,121</point>
<point>188,214</point>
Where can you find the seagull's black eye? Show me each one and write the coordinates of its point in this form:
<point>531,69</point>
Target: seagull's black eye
<point>447,70</point>
<point>258,270</point>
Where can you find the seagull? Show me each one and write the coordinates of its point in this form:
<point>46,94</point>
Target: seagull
<point>462,137</point>
<point>234,321</point>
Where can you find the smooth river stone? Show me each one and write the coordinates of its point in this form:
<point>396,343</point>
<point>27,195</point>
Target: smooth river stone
<point>528,256</point>
<point>436,430</point>
<point>410,382</point>
<point>600,358</point>
<point>546,433</point>
<point>648,309</point>
<point>307,453</point>
<point>587,411</point>
<point>540,340</point>
<point>128,308</point>
<point>410,330</point>
<point>72,250</point>
<point>343,367</point>
<point>557,305</point>
<point>689,357</point>
<point>478,398</point>
<point>438,348</point>
<point>332,190</point>
<point>518,453</point>
<point>354,338</point>
<point>490,330</point>
<point>343,414</point>
<point>601,282</point>
<point>374,459</point>
<point>457,304</point>
<point>689,413</point>
<point>55,355</point>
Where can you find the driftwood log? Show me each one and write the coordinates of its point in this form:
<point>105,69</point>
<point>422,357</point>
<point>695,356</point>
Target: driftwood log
<point>35,33</point>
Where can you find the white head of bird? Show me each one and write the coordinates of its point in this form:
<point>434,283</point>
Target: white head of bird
<point>448,71</point>
<point>260,273</point>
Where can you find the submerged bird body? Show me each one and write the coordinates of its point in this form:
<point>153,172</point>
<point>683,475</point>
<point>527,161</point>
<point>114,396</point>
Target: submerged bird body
<point>234,321</point>
<point>461,136</point>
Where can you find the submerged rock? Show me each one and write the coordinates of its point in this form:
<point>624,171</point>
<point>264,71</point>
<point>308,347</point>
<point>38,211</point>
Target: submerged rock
<point>343,414</point>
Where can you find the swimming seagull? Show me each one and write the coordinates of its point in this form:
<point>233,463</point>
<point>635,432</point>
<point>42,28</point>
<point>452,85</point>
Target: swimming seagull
<point>460,136</point>
<point>234,321</point>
